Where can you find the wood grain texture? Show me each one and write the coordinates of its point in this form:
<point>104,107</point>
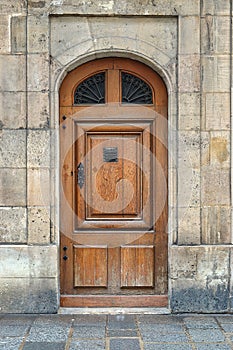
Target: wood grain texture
<point>114,301</point>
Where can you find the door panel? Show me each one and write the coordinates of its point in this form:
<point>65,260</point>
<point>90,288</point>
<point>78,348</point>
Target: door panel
<point>113,186</point>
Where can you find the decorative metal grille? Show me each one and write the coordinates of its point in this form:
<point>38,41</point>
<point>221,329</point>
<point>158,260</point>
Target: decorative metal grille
<point>91,90</point>
<point>135,90</point>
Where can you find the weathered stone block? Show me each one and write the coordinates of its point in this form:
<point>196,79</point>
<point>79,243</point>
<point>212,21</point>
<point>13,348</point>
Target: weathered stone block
<point>31,261</point>
<point>38,187</point>
<point>216,225</point>
<point>189,73</point>
<point>220,7</point>
<point>38,72</point>
<point>12,187</point>
<point>38,147</point>
<point>215,73</point>
<point>12,73</point>
<point>13,110</point>
<point>38,225</point>
<point>201,282</point>
<point>217,111</point>
<point>13,228</point>
<point>189,111</point>
<point>189,226</point>
<point>188,187</point>
<point>215,187</point>
<point>4,34</point>
<point>18,34</point>
<point>28,295</point>
<point>38,110</point>
<point>189,149</point>
<point>220,149</point>
<point>12,6</point>
<point>189,25</point>
<point>12,148</point>
<point>215,35</point>
<point>38,33</point>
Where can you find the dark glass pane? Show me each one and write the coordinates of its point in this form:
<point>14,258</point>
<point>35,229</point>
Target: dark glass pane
<point>91,90</point>
<point>135,90</point>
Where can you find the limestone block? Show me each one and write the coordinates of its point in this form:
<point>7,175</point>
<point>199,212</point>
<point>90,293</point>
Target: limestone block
<point>13,227</point>
<point>13,110</point>
<point>4,34</point>
<point>28,295</point>
<point>217,111</point>
<point>189,73</point>
<point>12,187</point>
<point>188,226</point>
<point>38,148</point>
<point>216,73</point>
<point>137,7</point>
<point>189,26</point>
<point>215,35</point>
<point>38,110</point>
<point>189,111</point>
<point>220,149</point>
<point>38,187</point>
<point>188,187</point>
<point>216,225</point>
<point>38,72</point>
<point>12,148</point>
<point>189,149</point>
<point>12,6</point>
<point>12,73</point>
<point>38,225</point>
<point>220,7</point>
<point>38,33</point>
<point>28,261</point>
<point>215,187</point>
<point>18,34</point>
<point>201,282</point>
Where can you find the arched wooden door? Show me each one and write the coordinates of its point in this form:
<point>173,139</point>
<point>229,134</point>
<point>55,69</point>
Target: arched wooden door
<point>113,160</point>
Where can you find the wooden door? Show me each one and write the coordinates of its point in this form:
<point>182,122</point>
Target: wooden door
<point>113,160</point>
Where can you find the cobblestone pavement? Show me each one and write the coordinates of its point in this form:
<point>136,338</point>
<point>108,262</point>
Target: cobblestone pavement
<point>116,332</point>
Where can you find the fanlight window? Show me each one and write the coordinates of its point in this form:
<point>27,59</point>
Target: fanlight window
<point>135,90</point>
<point>91,90</point>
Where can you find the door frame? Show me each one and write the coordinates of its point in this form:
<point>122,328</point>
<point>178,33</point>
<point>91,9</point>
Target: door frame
<point>164,76</point>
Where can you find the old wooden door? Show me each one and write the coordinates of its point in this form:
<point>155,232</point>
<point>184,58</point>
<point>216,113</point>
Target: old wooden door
<point>113,160</point>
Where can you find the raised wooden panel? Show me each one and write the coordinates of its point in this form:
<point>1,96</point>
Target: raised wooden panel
<point>137,266</point>
<point>90,266</point>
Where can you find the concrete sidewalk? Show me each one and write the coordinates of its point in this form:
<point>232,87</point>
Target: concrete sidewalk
<point>116,332</point>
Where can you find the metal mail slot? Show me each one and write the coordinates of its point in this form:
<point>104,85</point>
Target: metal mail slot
<point>110,154</point>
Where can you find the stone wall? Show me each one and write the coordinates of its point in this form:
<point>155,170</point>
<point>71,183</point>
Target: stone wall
<point>188,42</point>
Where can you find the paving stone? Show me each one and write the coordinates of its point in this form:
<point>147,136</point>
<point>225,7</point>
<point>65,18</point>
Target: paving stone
<point>203,323</point>
<point>215,346</point>
<point>124,333</point>
<point>162,328</point>
<point>228,327</point>
<point>16,319</point>
<point>44,346</point>
<point>89,320</point>
<point>225,319</point>
<point>160,319</point>
<point>12,331</point>
<point>206,335</point>
<point>10,343</point>
<point>51,334</point>
<point>121,322</point>
<point>122,343</point>
<point>88,345</point>
<point>154,346</point>
<point>65,320</point>
<point>96,332</point>
<point>151,335</point>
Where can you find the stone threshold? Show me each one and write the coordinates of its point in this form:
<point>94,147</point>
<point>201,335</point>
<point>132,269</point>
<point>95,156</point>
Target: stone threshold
<point>113,310</point>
